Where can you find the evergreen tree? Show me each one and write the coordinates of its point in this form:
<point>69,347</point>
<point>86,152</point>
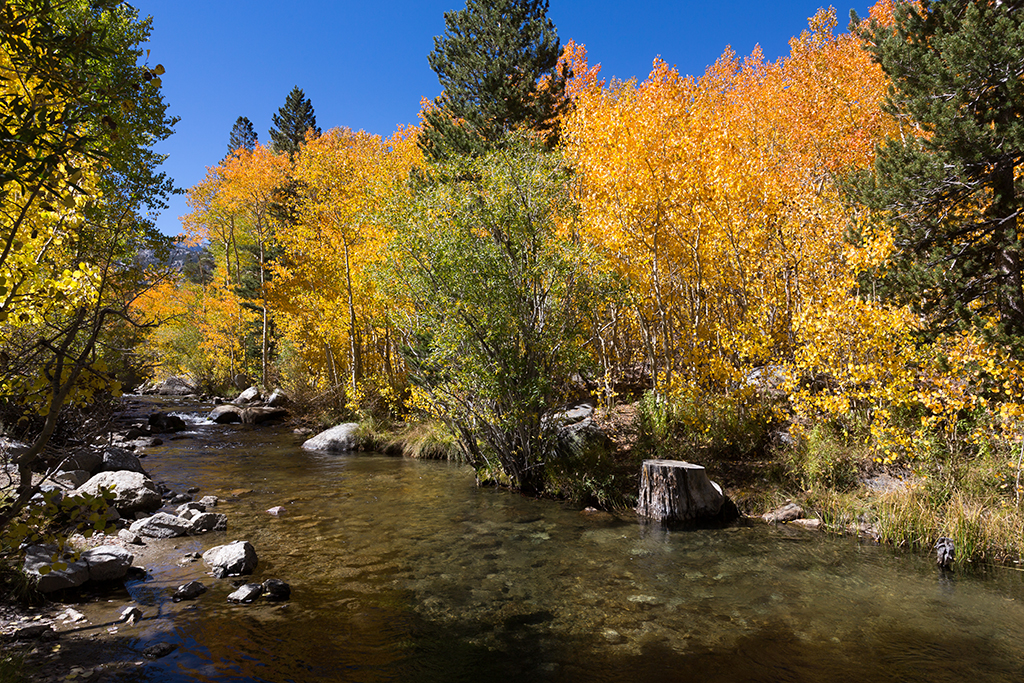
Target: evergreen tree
<point>291,123</point>
<point>497,63</point>
<point>952,195</point>
<point>243,136</point>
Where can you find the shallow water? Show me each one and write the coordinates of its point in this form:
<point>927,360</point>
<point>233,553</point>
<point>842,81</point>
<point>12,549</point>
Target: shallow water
<point>404,570</point>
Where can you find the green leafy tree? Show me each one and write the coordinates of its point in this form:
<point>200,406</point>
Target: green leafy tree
<point>291,123</point>
<point>79,183</point>
<point>496,304</point>
<point>498,65</point>
<point>951,193</point>
<point>243,136</point>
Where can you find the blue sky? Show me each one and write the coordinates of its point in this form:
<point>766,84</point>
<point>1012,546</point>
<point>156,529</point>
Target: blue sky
<point>364,64</point>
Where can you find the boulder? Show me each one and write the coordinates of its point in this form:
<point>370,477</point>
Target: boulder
<point>175,386</point>
<point>90,461</point>
<point>133,491</point>
<point>129,536</point>
<point>165,423</point>
<point>161,525</point>
<point>107,562</point>
<point>207,521</point>
<point>208,501</point>
<point>233,559</point>
<point>39,560</point>
<point>276,589</point>
<point>246,593</point>
<point>277,399</point>
<point>72,479</point>
<point>250,395</point>
<point>335,440</point>
<point>189,591</point>
<point>184,507</point>
<point>260,415</point>
<point>225,414</point>
<point>118,459</point>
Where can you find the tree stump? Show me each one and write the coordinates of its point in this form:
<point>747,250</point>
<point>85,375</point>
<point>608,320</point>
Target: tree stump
<point>677,491</point>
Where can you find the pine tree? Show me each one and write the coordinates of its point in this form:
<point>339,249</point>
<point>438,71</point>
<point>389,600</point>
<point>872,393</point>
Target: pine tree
<point>291,123</point>
<point>243,136</point>
<point>952,194</point>
<point>497,63</point>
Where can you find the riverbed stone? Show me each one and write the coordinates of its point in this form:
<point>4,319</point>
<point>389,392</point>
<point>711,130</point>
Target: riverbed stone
<point>71,478</point>
<point>276,589</point>
<point>39,561</point>
<point>191,505</point>
<point>117,459</point>
<point>786,513</point>
<point>165,423</point>
<point>277,511</point>
<point>189,591</point>
<point>133,491</point>
<point>334,440</point>
<point>246,593</point>
<point>175,386</point>
<point>161,525</point>
<point>208,501</point>
<point>107,562</point>
<point>129,536</point>
<point>87,460</point>
<point>233,559</point>
<point>250,395</point>
<point>277,399</point>
<point>207,521</point>
<point>225,414</point>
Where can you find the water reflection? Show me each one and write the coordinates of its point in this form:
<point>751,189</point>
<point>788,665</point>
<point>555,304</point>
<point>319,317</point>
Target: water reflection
<point>405,571</point>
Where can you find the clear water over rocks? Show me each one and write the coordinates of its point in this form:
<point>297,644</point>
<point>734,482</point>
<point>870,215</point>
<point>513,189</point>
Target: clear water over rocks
<point>404,570</point>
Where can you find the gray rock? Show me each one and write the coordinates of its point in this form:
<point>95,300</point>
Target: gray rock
<point>233,559</point>
<point>32,632</point>
<point>159,650</point>
<point>334,440</point>
<point>129,536</point>
<point>107,562</point>
<point>147,442</point>
<point>250,395</point>
<point>276,589</point>
<point>246,593</point>
<point>192,505</point>
<point>39,560</point>
<point>208,521</point>
<point>225,414</point>
<point>189,591</point>
<point>277,399</point>
<point>118,459</point>
<point>133,491</point>
<point>208,501</point>
<point>131,615</point>
<point>277,511</point>
<point>786,513</point>
<point>165,423</point>
<point>90,461</point>
<point>175,386</point>
<point>71,479</point>
<point>161,525</point>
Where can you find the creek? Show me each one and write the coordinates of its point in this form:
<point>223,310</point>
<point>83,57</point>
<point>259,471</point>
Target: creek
<point>404,570</point>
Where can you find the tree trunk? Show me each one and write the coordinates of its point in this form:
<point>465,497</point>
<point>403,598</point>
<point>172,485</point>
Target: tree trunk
<point>677,491</point>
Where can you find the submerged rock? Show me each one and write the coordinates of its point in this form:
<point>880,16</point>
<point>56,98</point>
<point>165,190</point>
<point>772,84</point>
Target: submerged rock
<point>276,589</point>
<point>246,593</point>
<point>189,591</point>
